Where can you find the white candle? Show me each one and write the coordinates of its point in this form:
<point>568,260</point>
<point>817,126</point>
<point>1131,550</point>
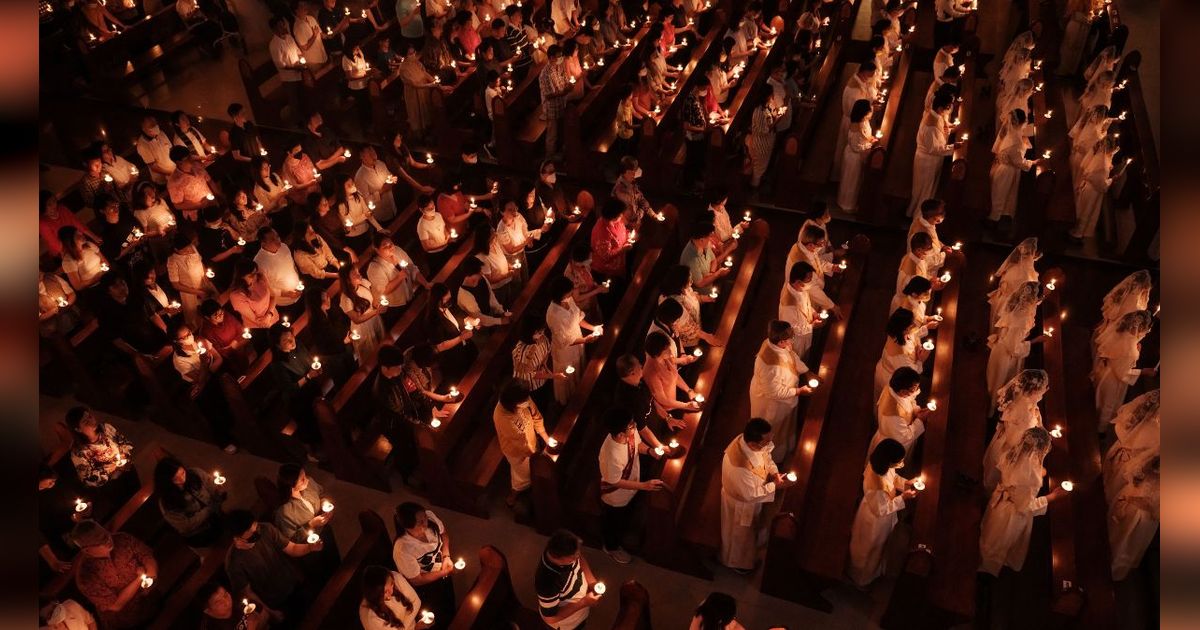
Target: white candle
<point>931,405</point>
<point>791,476</point>
<point>570,369</point>
<point>453,233</point>
<point>285,322</point>
<point>248,606</point>
<point>928,345</point>
<point>607,283</point>
<point>435,423</point>
<point>62,302</point>
<point>599,588</point>
<point>218,478</point>
<point>429,160</point>
<point>842,265</point>
<point>1068,486</point>
<point>945,277</point>
<point>404,264</point>
<point>516,264</point>
<point>316,363</point>
<point>1056,432</point>
<point>697,353</point>
<point>918,484</point>
<point>1050,285</point>
<point>658,450</point>
<point>453,391</point>
<point>427,617</point>
<point>246,333</point>
<point>812,382</point>
<point>713,293</point>
<point>597,331</point>
<point>104,266</point>
<point>147,581</point>
<point>824,314</point>
<point>728,262</point>
<point>383,301</point>
<point>699,398</point>
<point>957,246</point>
<point>81,505</point>
<point>673,444</point>
<point>460,564</point>
<point>878,134</point>
<point>313,537</point>
<point>354,334</point>
<point>241,242</point>
<point>108,178</point>
<point>552,443</point>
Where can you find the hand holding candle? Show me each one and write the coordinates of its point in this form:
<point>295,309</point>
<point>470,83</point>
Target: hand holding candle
<point>313,537</point>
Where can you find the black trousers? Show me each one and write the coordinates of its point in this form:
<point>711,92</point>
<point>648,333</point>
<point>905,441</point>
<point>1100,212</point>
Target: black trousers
<point>693,161</point>
<point>614,523</point>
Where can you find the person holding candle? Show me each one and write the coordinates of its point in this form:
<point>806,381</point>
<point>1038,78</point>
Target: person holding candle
<point>450,332</point>
<point>392,272</point>
<point>52,217</point>
<point>1016,97</point>
<point>812,247</point>
<point>531,363</point>
<point>151,210</point>
<point>1018,404</point>
<point>197,364</point>
<point>475,298</point>
<point>1010,147</point>
<point>915,297</point>
<point>422,556</point>
<point>402,400</point>
<point>933,145</point>
<point>251,296</point>
<point>666,320</point>
<point>1008,520</point>
<point>495,264</point>
<point>244,219</point>
<point>432,232</point>
<point>1099,91</point>
<point>1009,344</point>
<point>724,242</point>
<point>222,329</point>
<point>610,240</point>
<point>579,272</point>
<point>859,140</point>
<point>1115,366</point>
<point>123,172</point>
<point>356,215</point>
<point>312,254</point>
<point>296,382</point>
<point>82,262</point>
<point>1137,426</point>
<point>455,206</point>
<point>862,85</point>
<point>112,573</point>
<point>897,415</point>
<point>915,264</point>
<point>761,140</point>
<point>950,16</point>
<point>518,425</point>
<point>118,241</point>
<point>796,308</point>
<point>375,180</point>
<point>698,256</point>
<point>554,88</point>
<point>221,613</point>
<point>749,479</point>
<point>58,310</point>
<point>261,569</point>
<point>99,452</point>
<point>58,507</point>
<point>779,380</point>
<point>95,181</point>
<point>242,137</point>
<point>513,236</point>
<point>303,505</point>
<point>633,394</point>
<point>185,270</point>
<point>189,501</point>
<point>160,302</point>
<point>662,378</point>
<point>218,245</point>
<point>389,601</point>
<point>1016,270</point>
<point>564,583</point>
<point>189,187</point>
<point>1096,174</point>
<point>565,320</point>
<point>275,263</point>
<point>931,213</point>
<point>626,189</point>
<point>620,479</point>
<point>67,614</point>
<point>900,349</point>
<point>154,147</point>
<point>884,494</point>
<point>950,76</point>
<point>1133,516</point>
<point>1090,127</point>
<point>366,314</point>
<point>676,286</point>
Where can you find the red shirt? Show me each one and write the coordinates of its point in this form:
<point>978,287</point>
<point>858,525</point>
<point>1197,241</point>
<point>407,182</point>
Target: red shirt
<point>607,239</point>
<point>452,205</point>
<point>48,229</point>
<point>222,335</point>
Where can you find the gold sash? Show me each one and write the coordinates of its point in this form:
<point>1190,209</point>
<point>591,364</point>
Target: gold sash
<point>773,358</point>
<point>738,458</point>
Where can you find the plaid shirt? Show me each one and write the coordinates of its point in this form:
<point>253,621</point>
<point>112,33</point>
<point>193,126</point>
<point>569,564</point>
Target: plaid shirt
<point>552,81</point>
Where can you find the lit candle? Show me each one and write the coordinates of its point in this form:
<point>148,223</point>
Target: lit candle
<point>460,564</point>
<point>737,233</point>
<point>569,370</point>
<point>303,61</point>
<point>313,537</point>
<point>1122,115</point>
<point>218,478</point>
<point>957,121</point>
<point>697,353</point>
<point>598,588</point>
<point>62,302</point>
<point>842,265</point>
<point>316,363</point>
<point>248,606</point>
<point>246,333</point>
<point>928,345</point>
<point>931,405</point>
<point>746,215</point>
<point>354,334</point>
<point>552,443</point>
<point>575,211</point>
<point>673,444</point>
<point>467,325</point>
<point>108,178</point>
<point>607,283</point>
<point>427,617</point>
<point>1048,331</point>
<point>572,80</point>
<point>699,398</point>
<point>200,349</point>
<point>658,450</point>
<point>878,134</point>
<point>1050,285</point>
<point>813,383</point>
<point>1068,486</point>
<point>516,264</point>
<point>957,246</point>
<point>1049,114</point>
<point>429,158</point>
<point>258,207</point>
<point>918,484</point>
<point>453,233</point>
<point>597,331</point>
<point>147,581</point>
<point>316,173</point>
<point>453,391</point>
<point>81,505</point>
<point>370,205</point>
<point>287,184</point>
<point>435,423</point>
<point>729,261</point>
<point>713,293</point>
<point>945,277</point>
<point>241,242</point>
<point>285,323</point>
<point>791,476</point>
<point>824,314</point>
<point>912,28</point>
<point>1056,432</point>
<point>383,301</point>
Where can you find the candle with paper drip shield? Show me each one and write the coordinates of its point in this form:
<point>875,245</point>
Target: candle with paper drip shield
<point>552,443</point>
<point>427,617</point>
<point>81,505</point>
<point>599,588</point>
<point>728,262</point>
<point>791,476</point>
<point>1068,485</point>
<point>957,245</point>
<point>1050,285</point>
<point>460,564</point>
<point>313,537</point>
<point>1056,432</point>
<point>209,273</point>
<point>945,277</point>
<point>218,478</point>
<point>570,369</point>
<point>698,352</point>
<point>919,483</point>
<point>248,607</point>
<point>285,323</point>
<point>928,345</point>
<point>435,423</point>
<point>931,404</point>
<point>713,293</point>
<point>147,581</point>
<point>597,331</point>
<point>814,383</point>
<point>824,314</point>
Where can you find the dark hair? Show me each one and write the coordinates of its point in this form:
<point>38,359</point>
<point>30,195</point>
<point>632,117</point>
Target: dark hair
<point>617,419</point>
<point>237,522</point>
<point>779,330</point>
<point>933,206</point>
<point>374,583</point>
<point>529,327</point>
<point>560,288</point>
<point>904,378</point>
<point>244,267</point>
<point>612,208</point>
<point>286,479</point>
<point>800,271</point>
<point>626,363</point>
<point>919,240</point>
<point>472,266</point>
<point>675,280</point>
<point>918,285</point>
<point>716,611</point>
<point>390,356</point>
<point>860,110</point>
<point>75,416</point>
<point>170,495</point>
<point>867,66</point>
<point>886,454</point>
<point>212,214</point>
<point>702,229</point>
<point>899,323</point>
<point>669,311</point>
<point>233,110</point>
<point>656,342</point>
<point>179,153</point>
<point>359,303</point>
<point>941,99</point>
<point>756,429</point>
<point>562,543</point>
<point>423,355</point>
<point>406,515</point>
<point>512,395</point>
<point>812,234</point>
<point>581,252</point>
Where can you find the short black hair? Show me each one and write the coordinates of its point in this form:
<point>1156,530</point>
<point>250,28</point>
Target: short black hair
<point>669,311</point>
<point>560,288</point>
<point>238,522</point>
<point>887,453</point>
<point>904,378</point>
<point>406,515</point>
<point>562,543</point>
<point>756,429</point>
<point>390,356</point>
<point>512,395</point>
<point>617,419</point>
<point>920,240</point>
<point>178,153</point>
<point>656,343</point>
<point>918,285</point>
<point>800,271</point>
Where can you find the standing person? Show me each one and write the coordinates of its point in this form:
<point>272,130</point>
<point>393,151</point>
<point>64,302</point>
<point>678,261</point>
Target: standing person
<point>716,612</point>
<point>376,182</point>
<point>1115,367</point>
<point>109,574</point>
<point>531,363</point>
<point>749,479</point>
<point>699,257</point>
<point>564,583</point>
<point>634,395</point>
<point>810,247</point>
<point>663,380</point>
<point>1018,404</point>
<point>154,147</point>
<point>931,214</point>
<point>418,91</point>
<point>796,308</point>
<point>897,415</point>
<point>915,297</point>
<point>1008,520</point>
<point>859,140</point>
<point>365,312</point>
<point>1133,517</point>
<point>861,86</point>
<point>1138,427</point>
<point>610,240</point>
<point>566,349</point>
<point>289,62</point>
<point>401,405</point>
<point>1010,162</point>
<point>1096,174</point>
<point>388,601</point>
<point>884,494</point>
<point>449,334</point>
<point>694,127</point>
<point>579,271</point>
<point>933,145</point>
<point>197,365</point>
<point>780,378</point>
<point>99,452</point>
<point>260,566</point>
<point>251,296</point>
<point>676,286</point>
<point>518,425</point>
<point>422,555</point>
<point>554,88</point>
<point>278,268</point>
<point>1015,271</point>
<point>1130,294</point>
<point>949,15</point>
<point>761,140</point>
<point>1009,344</point>
<point>621,478</point>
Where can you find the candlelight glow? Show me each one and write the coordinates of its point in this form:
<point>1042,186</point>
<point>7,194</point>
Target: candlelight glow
<point>928,345</point>
<point>1068,486</point>
<point>313,537</point>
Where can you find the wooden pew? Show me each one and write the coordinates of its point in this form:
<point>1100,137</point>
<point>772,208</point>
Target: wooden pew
<point>1080,558</point>
<point>1141,189</point>
<point>492,602</point>
<point>871,203</point>
<point>781,574</point>
<point>509,115</point>
<point>634,613</point>
<point>337,604</point>
<point>149,42</point>
<point>548,469</point>
<point>1050,134</point>
<point>460,480</point>
<point>964,110</point>
<point>664,544</point>
<point>787,158</point>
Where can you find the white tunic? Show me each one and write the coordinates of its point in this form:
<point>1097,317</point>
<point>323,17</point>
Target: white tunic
<point>370,182</point>
<point>777,373</point>
<point>936,257</point>
<point>1133,517</point>
<point>932,148</point>
<point>854,91</point>
<point>873,524</point>
<point>1008,521</point>
<point>895,418</point>
<point>1006,172</point>
<point>563,321</point>
<point>894,357</point>
<point>1008,348</point>
<point>1015,420</point>
<point>745,488</point>
<point>858,143</point>
<point>1115,369</point>
<point>795,308</point>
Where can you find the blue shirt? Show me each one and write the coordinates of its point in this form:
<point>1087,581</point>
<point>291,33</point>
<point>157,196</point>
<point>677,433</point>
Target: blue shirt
<point>415,28</point>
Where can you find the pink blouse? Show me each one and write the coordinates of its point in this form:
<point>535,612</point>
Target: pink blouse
<point>255,307</point>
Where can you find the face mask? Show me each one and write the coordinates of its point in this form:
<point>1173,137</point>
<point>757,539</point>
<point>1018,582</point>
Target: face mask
<point>471,159</point>
<point>253,538</point>
<point>551,178</point>
<point>189,340</point>
<point>914,394</point>
<point>152,132</point>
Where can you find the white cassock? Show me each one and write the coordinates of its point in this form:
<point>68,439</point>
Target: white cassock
<point>777,373</point>
<point>896,418</point>
<point>932,148</point>
<point>858,142</point>
<point>941,62</point>
<point>823,268</point>
<point>911,266</point>
<point>563,322</point>
<point>745,488</point>
<point>1113,371</point>
<point>873,524</point>
<point>1090,193</point>
<point>1009,348</point>
<point>1008,521</point>
<point>1006,171</point>
<point>1134,444</point>
<point>895,356</point>
<point>855,90</point>
<point>936,257</point>
<point>1132,524</point>
<point>1015,420</point>
<point>795,308</point>
<point>917,307</point>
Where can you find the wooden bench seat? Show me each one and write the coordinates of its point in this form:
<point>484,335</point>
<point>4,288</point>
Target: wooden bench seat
<point>870,196</point>
<point>336,606</point>
<point>634,613</point>
<point>492,602</point>
<point>1142,185</point>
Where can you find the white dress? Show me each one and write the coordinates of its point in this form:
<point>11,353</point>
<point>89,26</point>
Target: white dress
<point>1134,444</point>
<point>854,156</point>
<point>1090,193</point>
<point>87,266</point>
<point>408,616</point>
<point>777,373</point>
<point>1015,420</point>
<point>1008,521</point>
<point>894,357</point>
<point>371,333</point>
<point>1012,278</point>
<point>1115,369</point>
<point>744,490</point>
<point>854,91</point>
<point>563,322</point>
<point>1006,172</point>
<point>873,524</point>
<point>795,308</point>
<point>895,418</point>
<point>932,149</point>
<point>1133,517</point>
<point>1008,349</point>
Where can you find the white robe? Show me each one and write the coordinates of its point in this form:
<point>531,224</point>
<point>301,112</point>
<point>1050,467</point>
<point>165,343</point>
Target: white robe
<point>854,91</point>
<point>1133,445</point>
<point>1015,420</point>
<point>894,357</point>
<point>1090,193</point>
<point>936,257</point>
<point>1009,348</point>
<point>1008,521</point>
<point>795,308</point>
<point>777,373</point>
<point>744,490</point>
<point>1133,517</point>
<point>1012,277</point>
<point>873,524</point>
<point>857,145</point>
<point>823,267</point>
<point>895,418</point>
<point>932,149</point>
<point>563,323</point>
<point>1115,369</point>
<point>1006,172</point>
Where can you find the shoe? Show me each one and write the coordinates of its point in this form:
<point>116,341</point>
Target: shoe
<point>232,449</point>
<point>619,555</point>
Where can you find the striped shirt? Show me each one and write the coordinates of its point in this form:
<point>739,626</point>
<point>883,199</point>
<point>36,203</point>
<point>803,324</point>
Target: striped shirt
<point>414,556</point>
<point>558,586</point>
<point>529,359</point>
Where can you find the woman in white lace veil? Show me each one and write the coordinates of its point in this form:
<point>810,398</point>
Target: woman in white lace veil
<point>1009,343</point>
<point>1115,366</point>
<point>1017,402</point>
<point>1016,270</point>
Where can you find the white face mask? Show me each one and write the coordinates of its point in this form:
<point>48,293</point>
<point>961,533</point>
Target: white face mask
<point>914,394</point>
<point>638,173</point>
